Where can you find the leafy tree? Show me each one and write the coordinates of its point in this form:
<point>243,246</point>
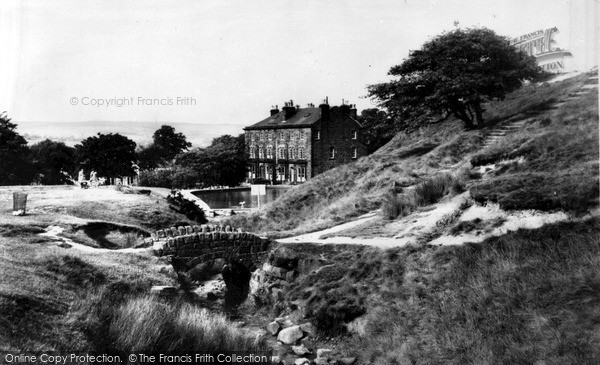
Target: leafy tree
<point>221,163</point>
<point>453,74</point>
<point>15,159</point>
<point>50,158</point>
<point>109,155</point>
<point>170,143</point>
<point>150,157</point>
<point>379,128</point>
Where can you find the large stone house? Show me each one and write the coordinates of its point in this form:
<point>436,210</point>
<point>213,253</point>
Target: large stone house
<point>295,144</point>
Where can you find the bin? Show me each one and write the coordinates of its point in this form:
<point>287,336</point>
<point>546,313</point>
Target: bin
<point>19,202</point>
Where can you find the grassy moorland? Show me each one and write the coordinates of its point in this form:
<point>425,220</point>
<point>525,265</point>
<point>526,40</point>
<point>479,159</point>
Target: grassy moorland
<point>59,298</point>
<point>528,297</point>
<point>559,147</point>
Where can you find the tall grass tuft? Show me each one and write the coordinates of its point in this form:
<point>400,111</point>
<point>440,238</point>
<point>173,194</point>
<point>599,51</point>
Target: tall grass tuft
<point>426,193</point>
<point>147,324</point>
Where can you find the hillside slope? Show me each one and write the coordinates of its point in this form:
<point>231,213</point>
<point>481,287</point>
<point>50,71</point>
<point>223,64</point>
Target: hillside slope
<point>545,157</point>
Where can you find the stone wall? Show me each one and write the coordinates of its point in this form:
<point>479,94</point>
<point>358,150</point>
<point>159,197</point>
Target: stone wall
<point>192,245</point>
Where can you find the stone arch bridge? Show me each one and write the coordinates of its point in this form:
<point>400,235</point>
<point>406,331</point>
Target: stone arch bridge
<point>192,245</point>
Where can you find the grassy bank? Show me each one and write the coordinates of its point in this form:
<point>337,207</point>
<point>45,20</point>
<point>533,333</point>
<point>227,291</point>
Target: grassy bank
<point>54,297</point>
<point>531,295</point>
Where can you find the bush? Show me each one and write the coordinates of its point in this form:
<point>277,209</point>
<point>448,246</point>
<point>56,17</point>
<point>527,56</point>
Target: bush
<point>394,206</point>
<point>426,193</point>
<point>187,207</point>
<point>176,177</point>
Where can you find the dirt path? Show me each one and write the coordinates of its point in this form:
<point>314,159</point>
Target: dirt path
<point>433,226</point>
<point>55,231</point>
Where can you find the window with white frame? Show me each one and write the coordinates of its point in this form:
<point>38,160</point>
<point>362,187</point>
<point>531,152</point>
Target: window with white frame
<point>354,152</point>
<point>318,135</point>
<point>332,153</point>
<point>262,136</point>
<point>281,153</point>
<point>301,153</point>
<point>292,153</point>
<point>269,152</point>
<point>261,152</point>
<point>301,172</point>
<point>354,134</point>
<point>252,152</point>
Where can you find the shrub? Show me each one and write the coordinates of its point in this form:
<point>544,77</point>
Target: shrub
<point>426,193</point>
<point>391,208</point>
<point>187,207</point>
<point>432,190</point>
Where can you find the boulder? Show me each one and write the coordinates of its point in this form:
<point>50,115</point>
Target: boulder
<point>302,361</point>
<point>290,276</point>
<point>273,328</point>
<point>284,257</point>
<point>321,361</point>
<point>300,350</point>
<point>326,353</point>
<point>163,290</point>
<point>275,360</point>
<point>308,328</point>
<point>348,360</point>
<point>290,335</point>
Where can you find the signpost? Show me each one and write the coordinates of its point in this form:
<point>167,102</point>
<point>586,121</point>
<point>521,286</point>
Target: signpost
<point>258,190</point>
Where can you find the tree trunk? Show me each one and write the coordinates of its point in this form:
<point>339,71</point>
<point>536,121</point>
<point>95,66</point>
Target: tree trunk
<point>461,114</point>
<point>478,114</point>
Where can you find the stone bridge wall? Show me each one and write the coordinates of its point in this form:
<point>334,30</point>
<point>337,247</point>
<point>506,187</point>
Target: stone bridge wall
<point>189,246</point>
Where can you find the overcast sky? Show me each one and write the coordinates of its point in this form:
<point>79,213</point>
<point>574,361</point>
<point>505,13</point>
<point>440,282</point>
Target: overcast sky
<point>235,58</point>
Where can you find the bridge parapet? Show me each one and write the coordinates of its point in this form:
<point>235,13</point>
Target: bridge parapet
<point>192,245</point>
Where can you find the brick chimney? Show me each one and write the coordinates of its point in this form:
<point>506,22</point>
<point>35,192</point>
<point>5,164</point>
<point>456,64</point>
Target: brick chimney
<point>325,109</point>
<point>289,110</point>
<point>274,110</point>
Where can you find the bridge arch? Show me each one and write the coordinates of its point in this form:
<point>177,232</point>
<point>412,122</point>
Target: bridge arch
<point>190,246</point>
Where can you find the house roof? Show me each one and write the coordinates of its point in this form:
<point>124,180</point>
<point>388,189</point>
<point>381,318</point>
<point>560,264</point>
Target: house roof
<point>304,117</point>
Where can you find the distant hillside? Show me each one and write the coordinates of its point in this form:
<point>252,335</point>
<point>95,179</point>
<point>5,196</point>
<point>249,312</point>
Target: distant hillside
<point>72,133</point>
<point>553,157</point>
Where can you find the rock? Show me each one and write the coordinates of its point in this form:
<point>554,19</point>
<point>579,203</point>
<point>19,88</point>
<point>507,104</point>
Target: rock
<point>290,335</point>
<point>284,257</point>
<point>290,276</point>
<point>308,328</point>
<point>275,360</point>
<point>273,328</point>
<point>289,360</point>
<point>287,323</point>
<point>300,350</point>
<point>326,353</point>
<point>277,272</point>
<point>64,245</point>
<point>163,290</point>
<point>277,295</point>
<point>302,361</point>
<point>348,360</point>
<point>321,361</point>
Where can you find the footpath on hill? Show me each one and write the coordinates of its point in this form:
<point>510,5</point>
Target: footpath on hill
<point>429,226</point>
